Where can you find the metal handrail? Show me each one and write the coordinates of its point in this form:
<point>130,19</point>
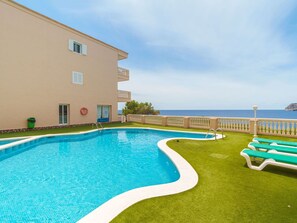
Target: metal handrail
<point>220,129</point>
<point>215,132</point>
<point>96,124</point>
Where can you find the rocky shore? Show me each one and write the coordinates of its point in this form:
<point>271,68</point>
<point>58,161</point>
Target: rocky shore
<point>291,107</point>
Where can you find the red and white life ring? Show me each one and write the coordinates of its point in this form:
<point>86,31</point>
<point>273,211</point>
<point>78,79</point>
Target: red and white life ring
<point>84,111</point>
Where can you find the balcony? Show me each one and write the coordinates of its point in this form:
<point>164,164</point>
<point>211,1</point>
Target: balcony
<point>123,74</point>
<point>124,96</point>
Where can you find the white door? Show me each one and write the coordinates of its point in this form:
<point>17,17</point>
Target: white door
<point>63,114</point>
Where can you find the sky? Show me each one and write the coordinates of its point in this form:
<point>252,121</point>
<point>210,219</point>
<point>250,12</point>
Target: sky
<point>194,54</point>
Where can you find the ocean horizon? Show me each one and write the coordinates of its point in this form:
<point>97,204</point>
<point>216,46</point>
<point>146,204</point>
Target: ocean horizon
<point>261,113</point>
<point>283,114</point>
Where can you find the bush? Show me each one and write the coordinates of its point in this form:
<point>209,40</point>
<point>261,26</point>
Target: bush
<point>134,107</point>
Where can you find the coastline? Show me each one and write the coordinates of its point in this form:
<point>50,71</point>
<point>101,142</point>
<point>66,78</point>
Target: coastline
<point>261,113</point>
<point>283,114</point>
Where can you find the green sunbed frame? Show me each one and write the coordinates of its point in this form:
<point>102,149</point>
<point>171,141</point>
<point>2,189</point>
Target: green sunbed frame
<point>269,159</point>
<point>273,149</point>
<point>275,142</point>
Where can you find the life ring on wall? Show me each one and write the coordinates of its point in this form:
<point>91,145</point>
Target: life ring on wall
<point>84,111</point>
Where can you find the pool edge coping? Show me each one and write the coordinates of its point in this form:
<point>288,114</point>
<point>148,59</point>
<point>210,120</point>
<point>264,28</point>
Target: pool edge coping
<point>25,139</point>
<point>188,179</point>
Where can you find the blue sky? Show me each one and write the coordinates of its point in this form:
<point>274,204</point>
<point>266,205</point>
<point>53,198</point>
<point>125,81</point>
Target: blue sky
<point>195,54</point>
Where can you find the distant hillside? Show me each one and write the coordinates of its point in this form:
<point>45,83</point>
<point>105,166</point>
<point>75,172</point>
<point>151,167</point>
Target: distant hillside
<point>292,107</point>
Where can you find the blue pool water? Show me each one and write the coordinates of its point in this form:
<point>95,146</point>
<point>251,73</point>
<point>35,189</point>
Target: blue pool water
<point>4,142</point>
<point>63,178</point>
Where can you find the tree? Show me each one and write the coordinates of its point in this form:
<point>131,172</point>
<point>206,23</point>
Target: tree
<point>134,107</point>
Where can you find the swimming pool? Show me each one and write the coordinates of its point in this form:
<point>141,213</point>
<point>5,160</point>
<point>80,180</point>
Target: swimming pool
<point>7,141</point>
<point>63,178</point>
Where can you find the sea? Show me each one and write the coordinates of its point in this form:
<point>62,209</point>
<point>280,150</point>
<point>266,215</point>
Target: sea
<point>279,114</point>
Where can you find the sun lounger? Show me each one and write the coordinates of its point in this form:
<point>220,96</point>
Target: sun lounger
<point>275,142</point>
<point>273,148</point>
<point>269,159</point>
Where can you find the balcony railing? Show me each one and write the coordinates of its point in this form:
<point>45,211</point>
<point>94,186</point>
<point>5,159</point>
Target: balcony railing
<point>124,96</point>
<point>123,74</point>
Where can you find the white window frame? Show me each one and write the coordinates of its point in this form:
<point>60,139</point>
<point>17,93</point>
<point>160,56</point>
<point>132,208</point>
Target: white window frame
<point>64,119</point>
<point>83,47</point>
<point>77,78</point>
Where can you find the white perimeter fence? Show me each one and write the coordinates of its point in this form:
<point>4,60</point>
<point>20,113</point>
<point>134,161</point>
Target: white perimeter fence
<point>264,126</point>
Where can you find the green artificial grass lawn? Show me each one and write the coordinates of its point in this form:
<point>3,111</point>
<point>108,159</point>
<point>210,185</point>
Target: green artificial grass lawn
<point>227,190</point>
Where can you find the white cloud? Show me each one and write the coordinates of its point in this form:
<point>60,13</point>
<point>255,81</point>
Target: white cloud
<point>172,90</point>
<point>233,33</point>
<point>252,58</point>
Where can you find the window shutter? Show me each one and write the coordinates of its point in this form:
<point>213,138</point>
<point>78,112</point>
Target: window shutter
<point>84,49</point>
<point>70,44</point>
<point>73,77</point>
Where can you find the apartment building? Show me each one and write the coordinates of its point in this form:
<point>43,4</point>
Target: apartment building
<point>55,73</point>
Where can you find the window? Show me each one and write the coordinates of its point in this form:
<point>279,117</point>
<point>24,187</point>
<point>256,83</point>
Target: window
<point>77,78</point>
<point>63,114</point>
<point>77,47</point>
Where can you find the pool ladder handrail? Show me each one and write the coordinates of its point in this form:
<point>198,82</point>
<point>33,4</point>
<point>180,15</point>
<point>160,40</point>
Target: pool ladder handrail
<point>96,124</point>
<point>215,132</point>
